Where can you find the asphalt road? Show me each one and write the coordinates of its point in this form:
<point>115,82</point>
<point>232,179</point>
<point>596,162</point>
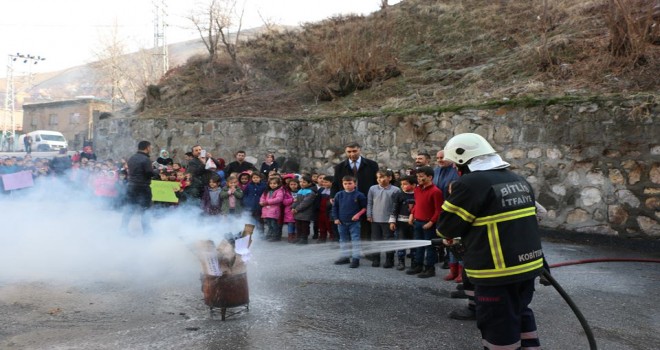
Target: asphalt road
<point>300,300</point>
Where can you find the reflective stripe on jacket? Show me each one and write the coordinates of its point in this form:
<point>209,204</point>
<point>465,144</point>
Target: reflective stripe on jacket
<point>494,213</point>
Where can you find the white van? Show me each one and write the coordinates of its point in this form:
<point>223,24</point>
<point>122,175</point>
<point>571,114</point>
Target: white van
<point>43,141</point>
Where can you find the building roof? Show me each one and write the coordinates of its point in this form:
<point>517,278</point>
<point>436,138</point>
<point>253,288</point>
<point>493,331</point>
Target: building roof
<point>80,100</point>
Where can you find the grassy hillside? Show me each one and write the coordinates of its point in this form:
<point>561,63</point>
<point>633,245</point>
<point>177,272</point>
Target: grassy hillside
<point>422,53</point>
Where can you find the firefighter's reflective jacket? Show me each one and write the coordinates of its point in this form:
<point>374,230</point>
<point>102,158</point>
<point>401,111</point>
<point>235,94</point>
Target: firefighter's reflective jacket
<point>494,213</point>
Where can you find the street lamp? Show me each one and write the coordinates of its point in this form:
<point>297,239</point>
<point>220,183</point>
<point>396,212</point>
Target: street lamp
<point>10,94</point>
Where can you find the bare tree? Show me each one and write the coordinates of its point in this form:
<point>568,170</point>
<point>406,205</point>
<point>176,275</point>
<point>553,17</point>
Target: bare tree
<point>120,75</point>
<point>268,22</point>
<point>109,64</point>
<point>141,69</point>
<point>213,22</point>
<point>384,4</point>
<point>232,47</point>
<point>631,24</point>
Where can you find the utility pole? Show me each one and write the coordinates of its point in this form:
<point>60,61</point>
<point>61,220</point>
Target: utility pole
<point>160,40</point>
<point>8,117</point>
<point>9,128</point>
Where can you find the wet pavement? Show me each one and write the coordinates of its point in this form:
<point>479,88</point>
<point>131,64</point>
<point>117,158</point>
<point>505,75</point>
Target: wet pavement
<point>300,300</point>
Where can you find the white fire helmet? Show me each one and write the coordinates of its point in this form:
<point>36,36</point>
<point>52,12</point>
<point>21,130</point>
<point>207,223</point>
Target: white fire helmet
<point>463,147</point>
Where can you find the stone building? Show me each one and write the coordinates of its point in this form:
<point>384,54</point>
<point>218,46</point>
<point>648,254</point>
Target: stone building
<point>75,118</point>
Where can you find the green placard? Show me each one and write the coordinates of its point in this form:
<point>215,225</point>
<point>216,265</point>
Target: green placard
<point>163,191</point>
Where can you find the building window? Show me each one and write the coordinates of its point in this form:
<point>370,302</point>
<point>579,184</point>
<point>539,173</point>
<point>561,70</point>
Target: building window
<point>75,118</point>
<point>34,121</point>
<point>52,119</point>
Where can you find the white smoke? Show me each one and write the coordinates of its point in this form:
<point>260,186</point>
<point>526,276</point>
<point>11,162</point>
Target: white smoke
<point>52,232</point>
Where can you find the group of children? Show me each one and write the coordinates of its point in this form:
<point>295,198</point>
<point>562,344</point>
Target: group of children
<point>298,204</point>
<point>405,208</point>
<point>88,176</point>
<point>387,206</point>
<point>287,200</point>
<point>302,206</point>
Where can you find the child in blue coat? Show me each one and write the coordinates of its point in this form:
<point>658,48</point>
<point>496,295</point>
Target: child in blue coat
<point>251,196</point>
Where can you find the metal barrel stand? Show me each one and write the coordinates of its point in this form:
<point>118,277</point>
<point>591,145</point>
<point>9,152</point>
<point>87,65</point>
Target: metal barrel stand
<point>225,292</point>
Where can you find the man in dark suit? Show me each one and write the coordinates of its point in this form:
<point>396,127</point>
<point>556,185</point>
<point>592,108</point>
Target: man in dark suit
<point>364,170</point>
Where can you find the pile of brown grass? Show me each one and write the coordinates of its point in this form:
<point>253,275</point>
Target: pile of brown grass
<point>420,53</point>
<point>498,49</point>
<point>345,55</point>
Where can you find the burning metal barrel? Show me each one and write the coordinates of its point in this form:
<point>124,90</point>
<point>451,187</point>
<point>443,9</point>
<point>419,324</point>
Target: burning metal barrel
<point>226,292</point>
<point>224,277</point>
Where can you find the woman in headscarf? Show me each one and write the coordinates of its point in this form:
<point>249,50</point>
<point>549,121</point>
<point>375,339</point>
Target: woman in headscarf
<point>164,158</point>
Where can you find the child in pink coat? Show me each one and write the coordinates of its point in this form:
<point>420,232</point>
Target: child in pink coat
<point>290,190</point>
<point>271,208</point>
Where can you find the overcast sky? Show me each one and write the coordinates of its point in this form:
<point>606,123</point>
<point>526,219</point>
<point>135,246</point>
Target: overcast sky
<point>67,32</point>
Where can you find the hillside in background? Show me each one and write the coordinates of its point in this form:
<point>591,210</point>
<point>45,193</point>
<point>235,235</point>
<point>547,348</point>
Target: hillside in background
<point>82,80</point>
<point>89,79</point>
<point>418,54</point>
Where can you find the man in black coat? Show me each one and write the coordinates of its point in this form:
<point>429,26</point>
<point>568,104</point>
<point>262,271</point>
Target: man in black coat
<point>61,163</point>
<point>196,168</point>
<point>239,165</point>
<point>138,192</point>
<point>364,170</point>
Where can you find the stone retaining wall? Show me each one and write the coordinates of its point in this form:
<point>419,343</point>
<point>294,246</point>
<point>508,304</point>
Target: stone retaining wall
<point>594,165</point>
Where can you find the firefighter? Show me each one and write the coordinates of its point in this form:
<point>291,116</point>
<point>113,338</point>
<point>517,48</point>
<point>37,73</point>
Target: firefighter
<point>492,209</point>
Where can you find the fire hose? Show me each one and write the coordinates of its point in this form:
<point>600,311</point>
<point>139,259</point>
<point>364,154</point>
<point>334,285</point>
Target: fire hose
<point>458,250</point>
<point>583,321</point>
<point>597,260</point>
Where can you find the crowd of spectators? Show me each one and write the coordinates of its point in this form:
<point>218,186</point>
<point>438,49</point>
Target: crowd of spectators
<point>361,200</point>
<point>82,170</point>
<point>300,204</point>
